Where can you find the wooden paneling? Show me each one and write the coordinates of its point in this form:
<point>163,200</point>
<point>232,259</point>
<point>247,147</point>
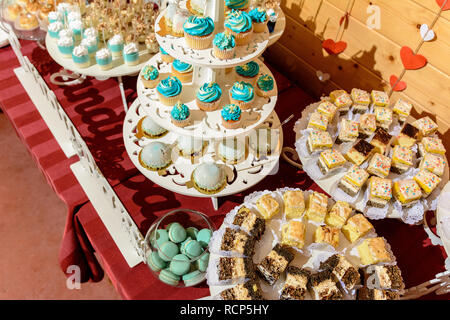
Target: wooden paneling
<point>372,56</point>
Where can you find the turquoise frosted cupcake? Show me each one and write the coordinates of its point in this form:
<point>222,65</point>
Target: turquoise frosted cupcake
<point>169,90</point>
<point>180,114</point>
<point>242,94</point>
<point>224,45</point>
<point>182,70</point>
<point>248,72</point>
<point>208,96</point>
<point>198,32</point>
<point>149,76</point>
<point>231,116</point>
<point>237,4</point>
<point>155,156</point>
<point>259,19</point>
<point>265,86</point>
<point>54,28</point>
<point>80,57</point>
<point>65,46</point>
<point>209,178</point>
<point>165,57</point>
<point>239,24</point>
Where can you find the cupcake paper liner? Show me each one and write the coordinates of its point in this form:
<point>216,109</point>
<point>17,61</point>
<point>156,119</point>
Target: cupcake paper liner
<point>198,43</point>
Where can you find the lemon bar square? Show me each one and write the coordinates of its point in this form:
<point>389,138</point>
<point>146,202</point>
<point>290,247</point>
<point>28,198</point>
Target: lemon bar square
<point>402,109</point>
<point>293,234</point>
<point>294,203</point>
<point>356,227</point>
<point>433,163</point>
<point>373,250</point>
<point>380,98</point>
<point>427,180</point>
<point>381,140</point>
<point>342,100</point>
<point>402,159</point>
<point>327,108</point>
<point>367,125</point>
<point>431,145</point>
<point>268,206</point>
<point>317,206</point>
<point>383,116</point>
<point>408,136</point>
<point>348,131</point>
<point>327,234</point>
<point>330,159</point>
<point>318,121</point>
<point>361,100</point>
<point>338,215</point>
<point>426,126</point>
<point>380,192</point>
<point>407,192</point>
<point>319,140</point>
<point>379,165</point>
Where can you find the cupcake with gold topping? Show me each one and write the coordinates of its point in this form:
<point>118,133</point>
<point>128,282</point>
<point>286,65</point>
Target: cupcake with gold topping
<point>208,96</point>
<point>169,90</point>
<point>180,115</point>
<point>198,32</point>
<point>259,19</point>
<point>231,116</point>
<point>248,72</point>
<point>224,45</point>
<point>265,86</point>
<point>183,71</point>
<point>239,24</point>
<point>237,4</point>
<point>242,94</point>
<point>149,76</point>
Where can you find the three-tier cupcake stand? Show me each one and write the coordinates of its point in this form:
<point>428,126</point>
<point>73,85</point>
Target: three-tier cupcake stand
<point>206,125</point>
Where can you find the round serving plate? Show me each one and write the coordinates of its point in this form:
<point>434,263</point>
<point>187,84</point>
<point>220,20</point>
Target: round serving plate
<point>330,181</point>
<point>309,257</point>
<point>204,124</point>
<point>176,177</point>
<point>443,220</point>
<point>177,47</point>
<point>119,68</point>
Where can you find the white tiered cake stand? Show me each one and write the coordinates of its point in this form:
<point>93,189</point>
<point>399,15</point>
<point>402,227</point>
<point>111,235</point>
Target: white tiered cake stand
<point>206,125</point>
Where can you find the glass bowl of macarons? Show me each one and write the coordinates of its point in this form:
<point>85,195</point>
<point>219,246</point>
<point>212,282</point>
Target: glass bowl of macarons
<point>177,247</point>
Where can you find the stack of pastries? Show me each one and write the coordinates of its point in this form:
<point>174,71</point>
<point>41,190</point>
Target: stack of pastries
<point>373,275</point>
<point>377,141</point>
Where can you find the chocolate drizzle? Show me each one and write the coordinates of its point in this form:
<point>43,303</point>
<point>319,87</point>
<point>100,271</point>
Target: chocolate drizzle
<point>235,175</point>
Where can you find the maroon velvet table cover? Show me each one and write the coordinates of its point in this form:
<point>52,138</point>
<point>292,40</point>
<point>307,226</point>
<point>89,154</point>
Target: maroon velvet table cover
<point>95,107</point>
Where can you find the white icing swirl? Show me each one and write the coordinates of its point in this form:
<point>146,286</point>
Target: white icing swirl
<point>89,41</point>
<point>80,51</point>
<point>55,26</point>
<point>65,41</point>
<point>90,32</point>
<point>66,33</point>
<point>76,25</point>
<point>117,39</point>
<point>73,15</point>
<point>103,53</point>
<point>130,48</point>
<point>55,15</point>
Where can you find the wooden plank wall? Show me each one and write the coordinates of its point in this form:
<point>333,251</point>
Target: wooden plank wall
<point>372,55</point>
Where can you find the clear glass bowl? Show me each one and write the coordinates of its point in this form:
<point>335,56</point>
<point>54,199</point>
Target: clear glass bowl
<point>187,218</point>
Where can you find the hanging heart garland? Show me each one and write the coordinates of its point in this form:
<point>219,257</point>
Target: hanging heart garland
<point>443,4</point>
<point>426,33</point>
<point>333,47</point>
<point>397,85</point>
<point>412,61</point>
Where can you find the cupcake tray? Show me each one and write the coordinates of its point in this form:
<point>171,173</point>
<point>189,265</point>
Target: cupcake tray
<point>309,257</point>
<point>176,177</point>
<point>177,48</point>
<point>204,124</point>
<point>329,182</point>
<point>119,68</point>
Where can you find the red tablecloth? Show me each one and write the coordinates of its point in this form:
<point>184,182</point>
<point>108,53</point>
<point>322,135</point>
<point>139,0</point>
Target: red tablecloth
<point>96,110</point>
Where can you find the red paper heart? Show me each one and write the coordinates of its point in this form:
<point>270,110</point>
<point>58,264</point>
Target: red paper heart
<point>412,61</point>
<point>441,2</point>
<point>334,47</point>
<point>400,86</point>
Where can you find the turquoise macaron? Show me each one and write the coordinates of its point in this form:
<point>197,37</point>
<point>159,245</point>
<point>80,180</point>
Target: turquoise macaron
<point>202,263</point>
<point>155,262</point>
<point>168,250</point>
<point>203,236</point>
<point>193,278</point>
<point>159,237</point>
<point>192,248</point>
<point>180,265</point>
<point>192,232</point>
<point>168,277</point>
<point>177,233</point>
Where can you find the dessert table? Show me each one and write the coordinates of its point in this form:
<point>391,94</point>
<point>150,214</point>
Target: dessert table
<point>95,108</point>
